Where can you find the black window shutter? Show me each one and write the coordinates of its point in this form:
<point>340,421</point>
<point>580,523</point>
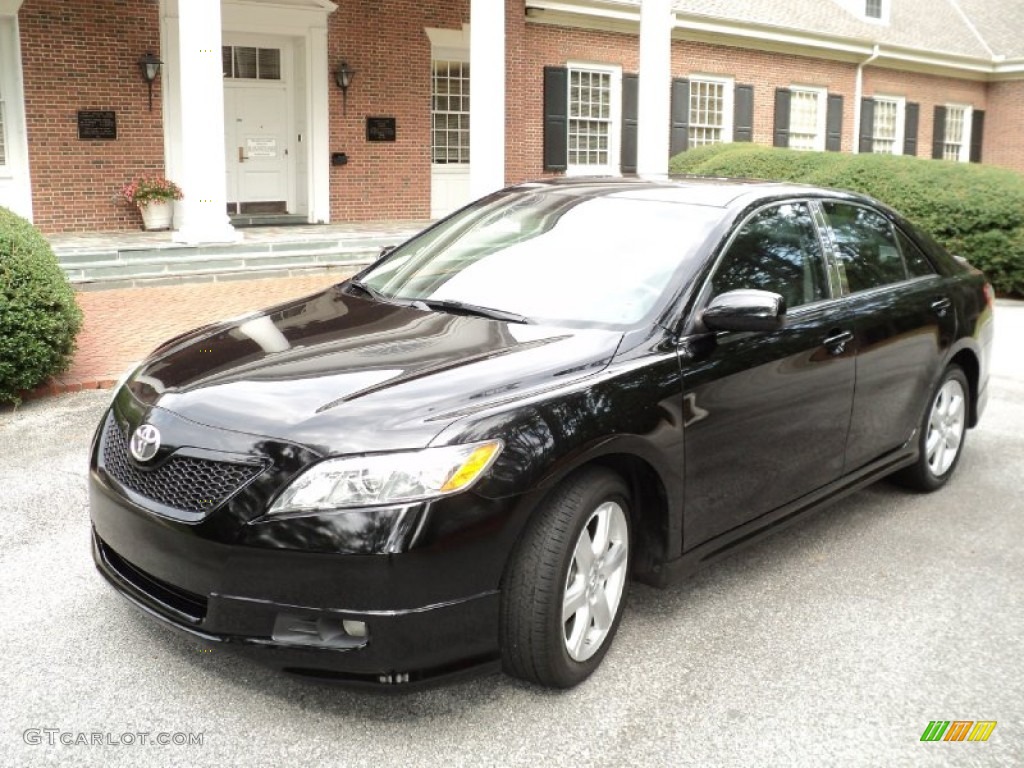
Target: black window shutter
<point>743,113</point>
<point>867,127</point>
<point>679,131</point>
<point>912,118</point>
<point>939,133</point>
<point>630,108</point>
<point>834,123</point>
<point>782,101</point>
<point>556,118</point>
<point>977,134</point>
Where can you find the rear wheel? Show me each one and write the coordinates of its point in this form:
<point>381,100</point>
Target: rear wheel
<point>566,584</point>
<point>942,433</point>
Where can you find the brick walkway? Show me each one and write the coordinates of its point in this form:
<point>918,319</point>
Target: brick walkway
<point>123,326</point>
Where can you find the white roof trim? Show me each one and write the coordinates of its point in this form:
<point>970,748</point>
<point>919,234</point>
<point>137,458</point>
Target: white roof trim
<point>624,16</point>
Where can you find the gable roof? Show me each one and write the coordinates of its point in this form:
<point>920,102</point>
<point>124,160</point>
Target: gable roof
<point>1000,23</point>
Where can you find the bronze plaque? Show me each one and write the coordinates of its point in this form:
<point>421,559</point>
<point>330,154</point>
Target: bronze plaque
<point>97,124</point>
<point>380,129</point>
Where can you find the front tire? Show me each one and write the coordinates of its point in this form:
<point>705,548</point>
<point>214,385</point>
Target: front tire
<point>567,581</point>
<point>941,435</point>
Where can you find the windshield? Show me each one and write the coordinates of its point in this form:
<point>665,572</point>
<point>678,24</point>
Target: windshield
<point>550,256</point>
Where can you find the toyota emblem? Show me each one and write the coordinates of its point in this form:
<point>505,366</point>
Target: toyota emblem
<point>145,442</point>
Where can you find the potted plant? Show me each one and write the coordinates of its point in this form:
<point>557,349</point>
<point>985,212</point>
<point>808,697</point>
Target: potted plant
<point>152,195</point>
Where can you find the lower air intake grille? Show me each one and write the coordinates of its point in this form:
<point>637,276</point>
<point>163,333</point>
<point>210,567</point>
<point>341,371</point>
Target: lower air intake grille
<point>180,601</point>
<point>181,482</point>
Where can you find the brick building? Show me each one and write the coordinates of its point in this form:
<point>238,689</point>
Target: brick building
<point>249,113</point>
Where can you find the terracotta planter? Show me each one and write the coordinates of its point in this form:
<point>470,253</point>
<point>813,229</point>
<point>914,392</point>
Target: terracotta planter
<point>156,215</point>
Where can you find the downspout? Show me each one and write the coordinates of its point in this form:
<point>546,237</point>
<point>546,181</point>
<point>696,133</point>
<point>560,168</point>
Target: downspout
<point>858,96</point>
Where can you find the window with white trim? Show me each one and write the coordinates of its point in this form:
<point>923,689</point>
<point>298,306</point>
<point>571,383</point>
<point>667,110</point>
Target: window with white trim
<point>888,128</point>
<point>449,114</point>
<point>593,118</point>
<point>957,142</point>
<point>711,109</point>
<point>807,118</point>
<point>244,62</point>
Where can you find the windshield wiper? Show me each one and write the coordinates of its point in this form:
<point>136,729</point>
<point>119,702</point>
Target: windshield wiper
<point>373,293</point>
<point>462,308</point>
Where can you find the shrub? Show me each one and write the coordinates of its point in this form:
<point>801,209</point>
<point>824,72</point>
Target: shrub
<point>976,211</point>
<point>38,314</point>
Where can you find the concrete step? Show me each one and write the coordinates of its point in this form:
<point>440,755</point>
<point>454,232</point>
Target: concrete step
<point>166,263</point>
<point>266,219</point>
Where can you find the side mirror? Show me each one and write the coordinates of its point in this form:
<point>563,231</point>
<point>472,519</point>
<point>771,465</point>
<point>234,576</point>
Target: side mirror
<point>745,310</point>
<point>385,251</point>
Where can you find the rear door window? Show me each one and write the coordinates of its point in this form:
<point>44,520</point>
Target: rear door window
<point>865,245</point>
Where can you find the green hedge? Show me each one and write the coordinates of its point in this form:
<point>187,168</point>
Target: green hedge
<point>38,314</point>
<point>976,211</point>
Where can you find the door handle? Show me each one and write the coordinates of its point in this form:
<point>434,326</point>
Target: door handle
<point>836,341</point>
<point>940,305</point>
<point>241,155</point>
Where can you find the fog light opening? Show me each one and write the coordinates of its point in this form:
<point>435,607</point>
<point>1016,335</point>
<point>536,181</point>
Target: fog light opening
<point>324,632</point>
<point>354,628</point>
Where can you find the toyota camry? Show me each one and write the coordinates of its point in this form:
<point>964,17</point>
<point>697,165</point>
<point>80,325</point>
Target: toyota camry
<point>459,458</point>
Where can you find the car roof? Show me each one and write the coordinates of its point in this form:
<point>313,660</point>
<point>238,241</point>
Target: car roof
<point>688,190</point>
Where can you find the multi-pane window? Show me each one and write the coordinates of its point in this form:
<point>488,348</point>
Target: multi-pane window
<point>590,117</point>
<point>244,62</point>
<point>807,119</point>
<point>886,127</point>
<point>955,145</point>
<point>709,114</point>
<point>450,112</point>
<point>873,9</point>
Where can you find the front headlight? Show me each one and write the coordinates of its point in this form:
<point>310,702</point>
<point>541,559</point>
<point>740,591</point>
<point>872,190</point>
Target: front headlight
<point>388,478</point>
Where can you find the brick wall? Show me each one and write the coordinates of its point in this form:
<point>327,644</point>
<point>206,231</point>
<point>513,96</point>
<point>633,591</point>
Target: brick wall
<point>82,54</point>
<point>929,91</point>
<point>385,42</point>
<point>1004,125</point>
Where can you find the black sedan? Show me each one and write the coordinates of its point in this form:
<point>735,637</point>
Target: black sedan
<point>460,457</point>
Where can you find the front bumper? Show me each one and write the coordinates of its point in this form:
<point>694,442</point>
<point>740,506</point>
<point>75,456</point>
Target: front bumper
<point>401,646</point>
<point>429,612</point>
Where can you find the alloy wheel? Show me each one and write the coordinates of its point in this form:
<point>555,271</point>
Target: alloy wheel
<point>946,425</point>
<point>594,584</point>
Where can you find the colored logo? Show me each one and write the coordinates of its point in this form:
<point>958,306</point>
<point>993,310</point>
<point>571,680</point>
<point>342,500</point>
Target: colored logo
<point>145,442</point>
<point>958,730</point>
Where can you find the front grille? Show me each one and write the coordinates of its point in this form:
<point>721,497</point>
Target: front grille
<point>183,482</point>
<point>180,601</point>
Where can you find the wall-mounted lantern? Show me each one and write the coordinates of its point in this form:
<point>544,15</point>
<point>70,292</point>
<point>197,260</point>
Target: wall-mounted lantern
<point>343,77</point>
<point>149,65</point>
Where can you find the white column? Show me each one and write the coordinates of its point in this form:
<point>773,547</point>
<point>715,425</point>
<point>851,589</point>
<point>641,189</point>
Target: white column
<point>655,88</point>
<point>203,167</point>
<point>487,99</point>
<point>319,128</point>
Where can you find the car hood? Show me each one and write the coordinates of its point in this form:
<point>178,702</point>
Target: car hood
<point>342,374</point>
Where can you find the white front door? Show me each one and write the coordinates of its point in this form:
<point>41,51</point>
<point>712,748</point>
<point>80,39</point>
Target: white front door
<point>257,129</point>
